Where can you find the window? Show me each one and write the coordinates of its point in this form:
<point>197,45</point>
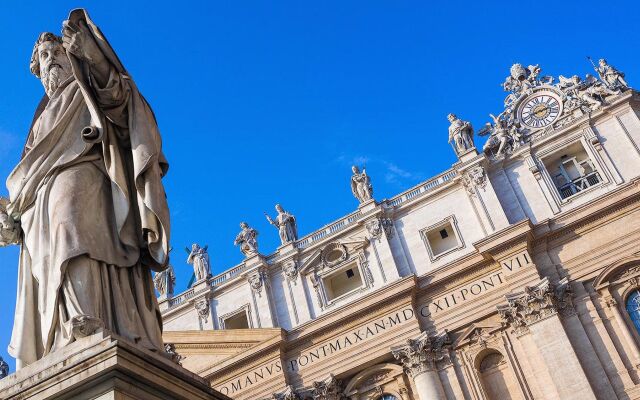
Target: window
<point>633,308</point>
<point>343,281</point>
<point>572,171</point>
<point>387,397</point>
<point>237,321</point>
<point>442,238</point>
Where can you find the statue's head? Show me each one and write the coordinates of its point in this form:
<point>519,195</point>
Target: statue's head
<point>49,62</point>
<point>355,170</point>
<point>518,72</point>
<point>279,208</point>
<point>452,117</point>
<point>244,225</point>
<point>602,62</point>
<point>195,246</point>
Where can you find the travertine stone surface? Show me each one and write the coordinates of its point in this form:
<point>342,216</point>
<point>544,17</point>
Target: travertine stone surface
<point>105,367</point>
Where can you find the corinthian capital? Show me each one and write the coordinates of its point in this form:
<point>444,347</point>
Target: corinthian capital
<point>329,389</point>
<point>423,354</point>
<point>536,303</point>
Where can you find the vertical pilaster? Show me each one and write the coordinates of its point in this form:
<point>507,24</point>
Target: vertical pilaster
<point>535,312</point>
<point>258,279</point>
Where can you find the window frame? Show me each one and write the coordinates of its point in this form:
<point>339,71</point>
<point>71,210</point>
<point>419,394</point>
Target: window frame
<point>355,261</point>
<point>244,309</point>
<point>450,220</point>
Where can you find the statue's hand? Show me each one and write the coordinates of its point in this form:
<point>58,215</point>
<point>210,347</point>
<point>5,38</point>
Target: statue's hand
<point>78,40</point>
<point>9,229</point>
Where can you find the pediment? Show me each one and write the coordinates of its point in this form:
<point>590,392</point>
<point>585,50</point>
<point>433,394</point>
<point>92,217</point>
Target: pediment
<point>482,331</point>
<point>333,253</point>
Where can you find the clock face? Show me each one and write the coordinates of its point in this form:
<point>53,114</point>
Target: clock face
<point>540,110</point>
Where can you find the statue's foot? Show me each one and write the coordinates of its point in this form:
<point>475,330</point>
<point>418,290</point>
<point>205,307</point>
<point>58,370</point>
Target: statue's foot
<point>85,325</point>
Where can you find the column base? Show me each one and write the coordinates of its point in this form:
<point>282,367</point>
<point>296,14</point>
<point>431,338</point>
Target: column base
<point>104,366</point>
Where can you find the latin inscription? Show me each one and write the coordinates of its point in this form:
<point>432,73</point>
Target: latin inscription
<point>463,294</point>
<point>516,263</point>
<point>351,339</point>
<point>246,381</point>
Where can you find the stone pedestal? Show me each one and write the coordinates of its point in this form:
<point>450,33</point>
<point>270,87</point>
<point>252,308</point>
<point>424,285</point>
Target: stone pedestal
<point>105,367</point>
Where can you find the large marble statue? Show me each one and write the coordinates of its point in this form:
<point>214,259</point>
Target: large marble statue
<point>361,185</point>
<point>611,77</point>
<point>87,201</point>
<point>199,258</point>
<point>286,224</point>
<point>460,134</point>
<point>4,368</point>
<point>165,281</point>
<point>247,240</point>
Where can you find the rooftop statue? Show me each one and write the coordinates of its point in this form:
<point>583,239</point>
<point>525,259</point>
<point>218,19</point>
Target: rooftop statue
<point>4,368</point>
<point>86,201</point>
<point>460,134</point>
<point>247,240</point>
<point>286,224</point>
<point>165,281</point>
<point>361,185</point>
<point>611,77</point>
<point>199,258</point>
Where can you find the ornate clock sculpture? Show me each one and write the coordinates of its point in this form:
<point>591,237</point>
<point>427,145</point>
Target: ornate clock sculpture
<point>535,105</point>
<point>540,109</point>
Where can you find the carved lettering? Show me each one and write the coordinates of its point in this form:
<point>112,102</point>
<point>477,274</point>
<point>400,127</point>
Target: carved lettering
<point>516,263</point>
<point>355,337</point>
<point>463,294</point>
<point>258,375</point>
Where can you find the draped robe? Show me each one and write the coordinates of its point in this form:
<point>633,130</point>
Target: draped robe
<point>94,217</point>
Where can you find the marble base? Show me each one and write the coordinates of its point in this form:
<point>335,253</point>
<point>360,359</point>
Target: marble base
<point>104,366</point>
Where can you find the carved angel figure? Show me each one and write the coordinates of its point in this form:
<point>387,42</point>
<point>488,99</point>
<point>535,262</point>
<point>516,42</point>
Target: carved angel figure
<point>199,258</point>
<point>8,227</point>
<point>460,134</point>
<point>361,185</point>
<point>611,77</point>
<point>589,93</point>
<point>501,135</point>
<point>247,240</point>
<point>286,224</point>
<point>165,281</point>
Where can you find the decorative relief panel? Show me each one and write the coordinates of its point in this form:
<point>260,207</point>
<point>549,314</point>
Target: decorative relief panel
<point>379,225</point>
<point>474,178</point>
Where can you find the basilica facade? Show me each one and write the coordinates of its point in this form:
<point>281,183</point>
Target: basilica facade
<point>514,274</point>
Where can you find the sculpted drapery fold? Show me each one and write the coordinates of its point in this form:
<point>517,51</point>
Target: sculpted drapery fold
<point>93,216</point>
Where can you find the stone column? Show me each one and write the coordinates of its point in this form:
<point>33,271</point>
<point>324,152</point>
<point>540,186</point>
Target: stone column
<point>535,312</point>
<point>421,358</point>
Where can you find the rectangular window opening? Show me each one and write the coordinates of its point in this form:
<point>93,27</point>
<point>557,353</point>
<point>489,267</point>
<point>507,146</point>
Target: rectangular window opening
<point>237,321</point>
<point>343,281</point>
<point>571,170</point>
<point>442,239</point>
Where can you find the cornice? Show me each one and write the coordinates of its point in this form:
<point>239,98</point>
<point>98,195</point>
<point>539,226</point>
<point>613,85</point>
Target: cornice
<point>584,217</point>
<point>401,291</point>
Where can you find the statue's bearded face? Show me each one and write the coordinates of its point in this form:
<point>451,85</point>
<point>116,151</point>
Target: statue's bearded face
<point>55,67</point>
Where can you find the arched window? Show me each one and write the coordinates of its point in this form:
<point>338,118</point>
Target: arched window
<point>387,397</point>
<point>633,308</point>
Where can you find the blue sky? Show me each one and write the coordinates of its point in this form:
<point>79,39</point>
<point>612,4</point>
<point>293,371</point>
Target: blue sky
<point>266,102</point>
